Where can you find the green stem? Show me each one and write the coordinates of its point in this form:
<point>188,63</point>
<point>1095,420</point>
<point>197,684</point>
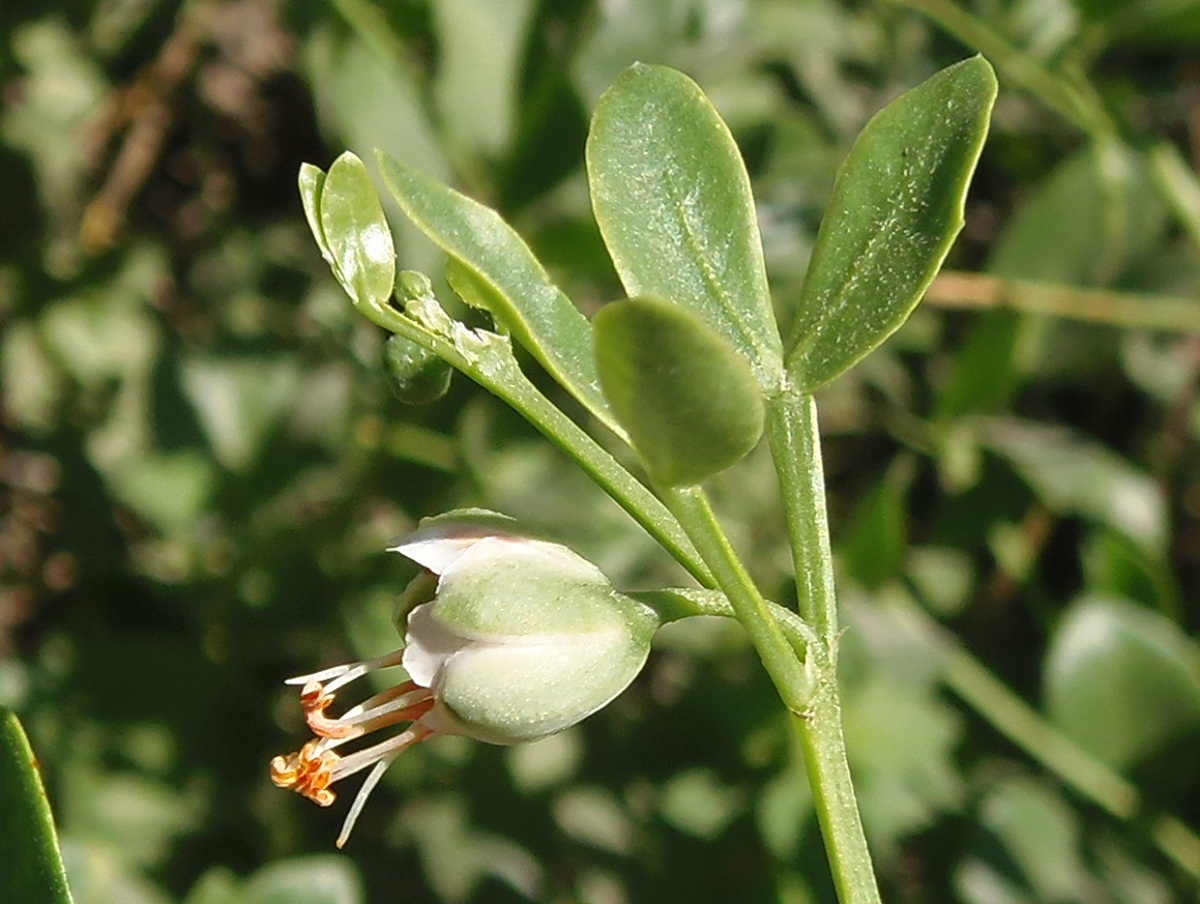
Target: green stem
<point>674,603</point>
<point>488,360</point>
<point>692,509</point>
<point>796,448</point>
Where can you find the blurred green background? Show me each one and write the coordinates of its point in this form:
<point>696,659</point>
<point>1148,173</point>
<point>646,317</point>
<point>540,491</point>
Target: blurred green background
<point>200,464</point>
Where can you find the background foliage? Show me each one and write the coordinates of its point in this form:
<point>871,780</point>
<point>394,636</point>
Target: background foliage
<point>201,463</point>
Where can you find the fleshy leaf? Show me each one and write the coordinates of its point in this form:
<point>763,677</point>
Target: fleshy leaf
<point>33,870</point>
<point>672,198</point>
<point>356,232</point>
<point>897,206</point>
<point>498,272</point>
<point>311,182</point>
<point>688,399</point>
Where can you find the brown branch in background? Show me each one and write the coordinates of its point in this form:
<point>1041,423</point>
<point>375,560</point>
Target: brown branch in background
<point>958,289</point>
<point>143,111</point>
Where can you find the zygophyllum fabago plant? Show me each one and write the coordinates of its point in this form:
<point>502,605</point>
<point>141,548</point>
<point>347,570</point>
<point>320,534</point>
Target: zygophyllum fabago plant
<point>510,637</point>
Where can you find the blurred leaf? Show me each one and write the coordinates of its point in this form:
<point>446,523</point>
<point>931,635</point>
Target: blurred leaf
<point>897,206</point>
<point>943,577</point>
<point>696,803</point>
<point>239,402</point>
<point>985,371</point>
<point>672,198</point>
<point>31,386</point>
<point>316,879</point>
<point>356,233</point>
<point>33,870</point>
<point>594,816</point>
<point>901,740</point>
<point>1098,211</point>
<point>168,489</point>
<point>874,542</point>
<point>1074,475</point>
<point>1040,839</point>
<point>456,855</point>
<point>507,279</point>
<point>901,736</point>
<point>479,70</point>
<point>687,398</point>
<point>1121,680</point>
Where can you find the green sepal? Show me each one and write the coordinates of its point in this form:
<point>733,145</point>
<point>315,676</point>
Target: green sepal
<point>689,400</point>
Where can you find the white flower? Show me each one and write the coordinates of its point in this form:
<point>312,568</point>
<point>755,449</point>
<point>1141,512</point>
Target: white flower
<point>518,638</point>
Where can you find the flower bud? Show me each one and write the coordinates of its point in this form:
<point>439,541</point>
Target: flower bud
<point>508,638</point>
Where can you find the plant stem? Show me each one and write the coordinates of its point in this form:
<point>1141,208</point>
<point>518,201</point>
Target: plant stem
<point>489,361</point>
<point>691,508</point>
<point>958,289</point>
<point>796,448</point>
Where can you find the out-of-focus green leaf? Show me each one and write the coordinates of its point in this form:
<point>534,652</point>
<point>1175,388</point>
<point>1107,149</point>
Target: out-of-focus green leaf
<point>1096,211</point>
<point>479,70</point>
<point>327,879</point>
<point>1040,839</point>
<point>697,803</point>
<point>1073,475</point>
<point>239,402</point>
<point>315,879</point>
<point>673,201</point>
<point>356,232</point>
<point>897,206</point>
<point>506,278</point>
<point>166,489</point>
<point>688,399</point>
<point>32,870</point>
<point>874,542</point>
<point>1121,680</point>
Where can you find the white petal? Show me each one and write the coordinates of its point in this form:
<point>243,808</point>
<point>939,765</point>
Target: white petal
<point>428,647</point>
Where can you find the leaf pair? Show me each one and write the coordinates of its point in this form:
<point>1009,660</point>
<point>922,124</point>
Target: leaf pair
<point>673,202</point>
<point>682,368</point>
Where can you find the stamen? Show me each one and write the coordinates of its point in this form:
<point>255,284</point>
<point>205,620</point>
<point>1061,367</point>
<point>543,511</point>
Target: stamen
<point>404,703</point>
<point>360,799</point>
<point>344,674</point>
<point>361,759</point>
<point>309,771</point>
<point>315,766</point>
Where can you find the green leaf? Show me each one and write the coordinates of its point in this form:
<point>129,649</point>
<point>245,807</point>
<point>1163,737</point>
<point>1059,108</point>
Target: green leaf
<point>497,271</point>
<point>311,182</point>
<point>1074,475</point>
<point>688,400</point>
<point>897,205</point>
<point>673,201</point>
<point>356,232</point>
<point>33,871</point>
<point>1121,680</point>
